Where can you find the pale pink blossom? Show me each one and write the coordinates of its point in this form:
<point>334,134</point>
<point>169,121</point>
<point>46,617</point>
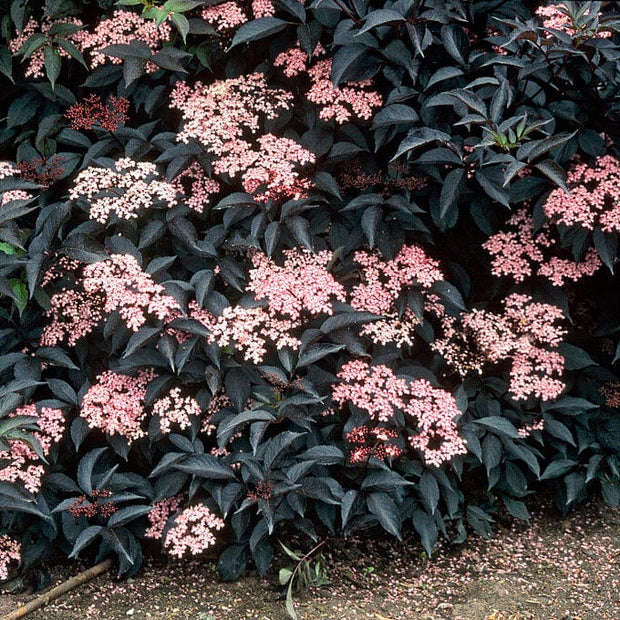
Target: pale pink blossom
<point>36,61</point>
<point>20,462</point>
<point>435,411</point>
<point>129,291</point>
<point>10,551</point>
<point>122,28</point>
<point>382,284</point>
<point>518,252</point>
<point>125,191</point>
<point>299,289</point>
<point>115,403</point>
<point>273,172</point>
<point>224,17</point>
<point>381,394</point>
<point>174,408</point>
<point>224,117</point>
<point>293,61</point>
<point>72,315</point>
<point>527,429</point>
<point>269,172</point>
<point>193,531</point>
<point>9,170</point>
<point>196,187</point>
<point>526,334</point>
<point>375,389</point>
<point>301,285</point>
<point>14,194</point>
<point>343,103</point>
<point>594,198</point>
<point>220,113</point>
<point>555,17</point>
<point>117,284</point>
<point>263,8</point>
<point>158,516</point>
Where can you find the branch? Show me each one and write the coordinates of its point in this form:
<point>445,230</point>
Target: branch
<point>63,588</point>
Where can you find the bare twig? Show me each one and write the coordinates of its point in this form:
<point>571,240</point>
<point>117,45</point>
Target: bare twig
<point>63,588</point>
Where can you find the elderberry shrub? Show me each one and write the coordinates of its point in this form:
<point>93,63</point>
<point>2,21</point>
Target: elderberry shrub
<point>315,266</point>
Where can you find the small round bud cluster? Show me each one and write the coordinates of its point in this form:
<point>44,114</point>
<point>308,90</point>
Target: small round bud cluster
<point>99,504</point>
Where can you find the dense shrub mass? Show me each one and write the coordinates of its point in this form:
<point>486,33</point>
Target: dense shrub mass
<point>302,266</point>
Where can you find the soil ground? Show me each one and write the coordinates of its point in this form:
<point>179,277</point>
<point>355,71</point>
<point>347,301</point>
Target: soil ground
<point>551,569</point>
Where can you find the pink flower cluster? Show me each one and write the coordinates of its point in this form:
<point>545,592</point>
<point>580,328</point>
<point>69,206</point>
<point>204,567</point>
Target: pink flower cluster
<point>93,112</point>
<point>115,403</point>
<point>21,462</point>
<point>222,112</point>
<point>193,531</point>
<point>302,287</point>
<point>376,390</point>
<point>594,198</point>
<point>126,190</point>
<point>526,334</point>
<point>10,551</point>
<point>224,17</point>
<point>341,103</point>
<point>249,330</point>
<point>377,442</point>
<point>302,284</point>
<point>175,409</point>
<point>159,515</point>
<point>269,172</point>
<point>223,116</point>
<point>72,315</point>
<point>435,411</point>
<point>518,252</point>
<point>526,430</point>
<point>129,291</point>
<point>196,187</point>
<point>7,170</point>
<point>264,8</point>
<point>227,16</point>
<point>117,284</point>
<point>36,61</point>
<point>121,29</point>
<point>382,284</point>
<point>555,17</point>
<point>293,61</point>
<point>14,194</point>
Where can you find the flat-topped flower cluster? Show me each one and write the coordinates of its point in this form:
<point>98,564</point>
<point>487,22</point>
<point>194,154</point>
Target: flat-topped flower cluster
<point>526,334</point>
<point>381,394</point>
<point>519,252</point>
